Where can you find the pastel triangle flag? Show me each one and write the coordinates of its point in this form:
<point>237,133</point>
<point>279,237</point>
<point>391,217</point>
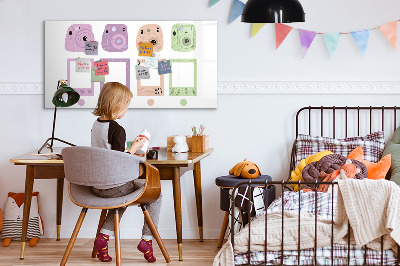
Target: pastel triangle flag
<point>213,2</point>
<point>361,37</point>
<point>281,31</point>
<point>389,30</point>
<point>256,27</point>
<point>237,8</point>
<point>332,41</point>
<point>306,39</point>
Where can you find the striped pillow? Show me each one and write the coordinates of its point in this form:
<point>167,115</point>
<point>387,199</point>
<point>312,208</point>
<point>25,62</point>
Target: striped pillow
<point>372,145</point>
<point>13,228</point>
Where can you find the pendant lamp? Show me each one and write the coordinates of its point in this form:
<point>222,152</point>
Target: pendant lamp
<point>273,11</point>
<point>63,97</point>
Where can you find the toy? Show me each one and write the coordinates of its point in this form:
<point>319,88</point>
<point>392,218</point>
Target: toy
<point>115,38</point>
<point>180,144</point>
<point>144,134</point>
<point>13,215</point>
<point>296,174</point>
<point>183,37</point>
<point>245,169</point>
<point>151,33</point>
<point>375,170</point>
<point>77,35</point>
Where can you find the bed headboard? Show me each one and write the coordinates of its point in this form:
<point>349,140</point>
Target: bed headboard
<point>344,121</point>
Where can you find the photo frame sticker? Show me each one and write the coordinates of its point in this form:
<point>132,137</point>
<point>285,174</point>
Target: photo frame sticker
<point>183,80</point>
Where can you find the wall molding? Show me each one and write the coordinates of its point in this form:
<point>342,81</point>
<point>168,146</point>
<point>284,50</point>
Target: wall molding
<point>259,87</point>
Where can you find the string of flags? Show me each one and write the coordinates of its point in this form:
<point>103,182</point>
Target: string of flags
<point>361,37</point>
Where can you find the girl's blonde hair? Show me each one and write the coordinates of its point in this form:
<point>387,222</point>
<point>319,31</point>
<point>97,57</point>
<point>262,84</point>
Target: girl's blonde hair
<point>113,98</point>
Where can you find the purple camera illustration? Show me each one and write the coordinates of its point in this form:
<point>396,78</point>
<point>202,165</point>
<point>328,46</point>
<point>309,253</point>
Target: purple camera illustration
<point>76,37</point>
<point>115,38</point>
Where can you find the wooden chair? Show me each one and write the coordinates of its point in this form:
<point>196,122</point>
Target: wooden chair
<point>85,167</point>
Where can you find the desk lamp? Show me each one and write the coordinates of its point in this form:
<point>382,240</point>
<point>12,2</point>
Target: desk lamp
<point>63,97</point>
<point>273,11</point>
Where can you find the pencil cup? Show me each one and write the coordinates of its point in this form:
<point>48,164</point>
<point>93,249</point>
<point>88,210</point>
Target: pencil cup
<point>200,143</point>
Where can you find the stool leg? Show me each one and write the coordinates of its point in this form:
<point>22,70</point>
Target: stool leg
<point>117,239</point>
<point>101,222</point>
<point>223,229</point>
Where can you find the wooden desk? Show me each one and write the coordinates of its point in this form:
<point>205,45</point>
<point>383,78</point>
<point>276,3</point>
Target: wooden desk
<point>171,167</point>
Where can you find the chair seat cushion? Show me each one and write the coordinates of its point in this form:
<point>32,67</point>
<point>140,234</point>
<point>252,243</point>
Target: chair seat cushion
<point>83,195</point>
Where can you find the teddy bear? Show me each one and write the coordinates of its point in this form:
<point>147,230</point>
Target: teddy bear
<point>13,215</point>
<point>245,169</point>
<point>180,144</point>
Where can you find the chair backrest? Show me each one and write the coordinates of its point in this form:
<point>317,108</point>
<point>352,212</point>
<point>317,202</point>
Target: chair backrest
<point>91,166</point>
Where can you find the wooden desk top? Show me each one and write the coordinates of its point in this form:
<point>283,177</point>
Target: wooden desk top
<point>164,157</point>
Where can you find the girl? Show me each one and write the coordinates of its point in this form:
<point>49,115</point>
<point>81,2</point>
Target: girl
<point>112,104</point>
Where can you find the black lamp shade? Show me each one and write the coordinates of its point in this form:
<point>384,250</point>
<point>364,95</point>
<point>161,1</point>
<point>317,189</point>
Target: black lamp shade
<point>65,96</point>
<point>273,11</point>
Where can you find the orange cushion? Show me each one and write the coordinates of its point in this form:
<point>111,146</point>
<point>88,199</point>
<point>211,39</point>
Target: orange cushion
<point>375,170</point>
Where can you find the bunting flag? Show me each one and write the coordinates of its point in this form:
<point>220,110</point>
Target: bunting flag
<point>256,27</point>
<point>281,31</point>
<point>361,37</point>
<point>213,2</point>
<point>332,41</point>
<point>389,30</point>
<point>237,8</point>
<point>306,39</point>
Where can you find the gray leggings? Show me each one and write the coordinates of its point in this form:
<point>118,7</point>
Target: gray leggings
<point>154,208</point>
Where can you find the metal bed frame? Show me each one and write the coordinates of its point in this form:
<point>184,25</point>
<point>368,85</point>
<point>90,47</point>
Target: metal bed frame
<point>283,184</point>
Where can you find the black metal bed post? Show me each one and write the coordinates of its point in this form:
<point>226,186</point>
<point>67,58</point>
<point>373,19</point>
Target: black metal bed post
<point>266,220</point>
<point>249,220</point>
<point>315,221</point>
<point>333,192</point>
<point>283,211</point>
<point>298,238</point>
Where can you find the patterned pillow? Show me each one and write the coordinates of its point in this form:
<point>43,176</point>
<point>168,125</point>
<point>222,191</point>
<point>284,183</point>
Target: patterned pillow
<point>372,144</point>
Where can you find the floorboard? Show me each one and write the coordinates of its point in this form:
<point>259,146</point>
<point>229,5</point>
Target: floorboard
<point>50,252</point>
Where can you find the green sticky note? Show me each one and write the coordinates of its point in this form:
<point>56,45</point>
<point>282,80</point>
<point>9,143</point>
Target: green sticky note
<point>99,78</point>
<point>128,145</point>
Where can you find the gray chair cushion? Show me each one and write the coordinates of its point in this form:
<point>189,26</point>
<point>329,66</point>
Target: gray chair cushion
<point>83,195</point>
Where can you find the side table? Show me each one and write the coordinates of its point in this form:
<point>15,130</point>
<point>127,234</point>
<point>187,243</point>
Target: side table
<point>226,183</point>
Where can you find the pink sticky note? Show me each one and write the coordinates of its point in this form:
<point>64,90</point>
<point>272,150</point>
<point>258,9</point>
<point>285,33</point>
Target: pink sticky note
<point>101,68</point>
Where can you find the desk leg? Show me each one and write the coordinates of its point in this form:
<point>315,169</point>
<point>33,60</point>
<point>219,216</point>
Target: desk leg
<point>60,190</point>
<point>199,204</point>
<point>27,206</point>
<point>176,182</point>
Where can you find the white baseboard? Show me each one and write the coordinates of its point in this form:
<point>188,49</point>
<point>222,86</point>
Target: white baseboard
<point>259,87</point>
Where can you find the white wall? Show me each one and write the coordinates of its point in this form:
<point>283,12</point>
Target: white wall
<point>259,127</point>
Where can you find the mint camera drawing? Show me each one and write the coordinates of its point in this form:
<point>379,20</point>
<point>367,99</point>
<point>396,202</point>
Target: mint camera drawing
<point>183,37</point>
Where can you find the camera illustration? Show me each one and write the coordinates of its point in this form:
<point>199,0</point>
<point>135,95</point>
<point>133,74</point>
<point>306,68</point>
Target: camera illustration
<point>115,38</point>
<point>76,37</point>
<point>183,38</point>
<point>151,33</point>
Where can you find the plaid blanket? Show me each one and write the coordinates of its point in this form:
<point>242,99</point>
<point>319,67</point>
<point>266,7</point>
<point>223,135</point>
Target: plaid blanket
<point>323,205</point>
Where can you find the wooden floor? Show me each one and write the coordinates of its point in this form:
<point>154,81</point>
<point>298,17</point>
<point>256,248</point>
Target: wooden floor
<point>50,252</point>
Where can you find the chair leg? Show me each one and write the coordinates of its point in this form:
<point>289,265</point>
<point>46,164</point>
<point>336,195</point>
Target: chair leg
<point>117,239</point>
<point>101,222</point>
<point>73,237</point>
<point>154,230</point>
<point>223,229</point>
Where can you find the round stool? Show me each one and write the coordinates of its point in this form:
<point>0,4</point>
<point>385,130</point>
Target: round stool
<point>228,182</point>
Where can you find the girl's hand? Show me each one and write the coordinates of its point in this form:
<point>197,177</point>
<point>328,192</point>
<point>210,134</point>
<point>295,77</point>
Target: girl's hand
<point>142,155</point>
<point>137,144</point>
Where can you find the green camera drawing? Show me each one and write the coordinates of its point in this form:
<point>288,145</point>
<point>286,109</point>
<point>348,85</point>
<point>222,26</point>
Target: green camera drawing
<point>183,37</point>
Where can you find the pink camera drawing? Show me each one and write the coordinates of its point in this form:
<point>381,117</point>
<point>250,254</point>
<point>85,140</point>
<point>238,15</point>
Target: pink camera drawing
<point>77,35</point>
<point>115,38</point>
